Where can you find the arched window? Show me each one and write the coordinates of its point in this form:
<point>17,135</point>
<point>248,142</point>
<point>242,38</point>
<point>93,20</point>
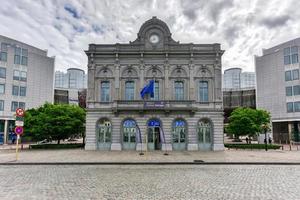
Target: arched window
<point>179,90</point>
<point>129,134</point>
<point>105,91</point>
<point>129,90</point>
<point>179,134</point>
<point>203,91</point>
<point>204,133</point>
<point>103,131</point>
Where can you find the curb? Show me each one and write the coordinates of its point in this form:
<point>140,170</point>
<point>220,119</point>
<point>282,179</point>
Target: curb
<point>150,163</point>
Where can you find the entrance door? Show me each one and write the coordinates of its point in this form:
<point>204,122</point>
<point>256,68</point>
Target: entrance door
<point>154,138</point>
<point>179,135</point>
<point>104,135</point>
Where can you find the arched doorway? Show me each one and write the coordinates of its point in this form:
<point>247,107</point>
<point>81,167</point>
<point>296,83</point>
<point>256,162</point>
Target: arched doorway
<point>179,129</point>
<point>129,134</point>
<point>205,132</point>
<point>153,136</point>
<point>103,131</point>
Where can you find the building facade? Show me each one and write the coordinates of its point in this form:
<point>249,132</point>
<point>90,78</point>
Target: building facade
<point>234,78</point>
<point>26,81</point>
<point>186,111</point>
<point>74,78</point>
<point>278,89</point>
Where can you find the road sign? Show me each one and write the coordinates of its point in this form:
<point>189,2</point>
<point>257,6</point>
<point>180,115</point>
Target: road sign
<point>20,112</point>
<point>19,130</point>
<point>19,123</point>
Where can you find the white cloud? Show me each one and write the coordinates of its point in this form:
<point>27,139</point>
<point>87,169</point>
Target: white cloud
<point>66,27</point>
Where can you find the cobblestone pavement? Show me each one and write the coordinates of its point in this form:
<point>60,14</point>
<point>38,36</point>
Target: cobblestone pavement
<point>78,155</point>
<point>149,182</point>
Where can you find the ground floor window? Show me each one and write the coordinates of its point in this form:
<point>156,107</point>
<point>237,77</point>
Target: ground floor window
<point>104,134</point>
<point>179,134</point>
<point>129,134</point>
<point>204,134</point>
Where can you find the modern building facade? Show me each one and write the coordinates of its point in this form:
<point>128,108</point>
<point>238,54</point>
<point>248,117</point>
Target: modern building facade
<point>26,81</point>
<point>234,78</point>
<point>278,89</point>
<point>74,78</point>
<point>186,111</point>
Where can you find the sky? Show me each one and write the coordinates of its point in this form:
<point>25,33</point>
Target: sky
<point>66,27</point>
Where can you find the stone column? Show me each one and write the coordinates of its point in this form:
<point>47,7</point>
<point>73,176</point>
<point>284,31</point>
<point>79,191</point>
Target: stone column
<point>167,85</point>
<point>117,82</point>
<point>91,80</point>
<point>290,134</point>
<point>191,80</point>
<point>5,131</point>
<point>141,74</point>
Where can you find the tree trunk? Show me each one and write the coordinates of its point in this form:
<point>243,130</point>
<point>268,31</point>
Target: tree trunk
<point>58,141</point>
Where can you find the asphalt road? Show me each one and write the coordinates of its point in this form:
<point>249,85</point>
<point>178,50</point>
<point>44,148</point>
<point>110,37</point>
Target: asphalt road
<point>150,182</point>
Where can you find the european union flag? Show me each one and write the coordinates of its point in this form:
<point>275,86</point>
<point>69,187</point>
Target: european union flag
<point>148,89</point>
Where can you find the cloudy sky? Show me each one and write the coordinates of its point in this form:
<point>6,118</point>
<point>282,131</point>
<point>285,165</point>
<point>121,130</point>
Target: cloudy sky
<point>66,27</point>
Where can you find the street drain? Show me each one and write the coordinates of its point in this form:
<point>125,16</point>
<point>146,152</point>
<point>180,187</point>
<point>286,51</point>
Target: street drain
<point>199,161</point>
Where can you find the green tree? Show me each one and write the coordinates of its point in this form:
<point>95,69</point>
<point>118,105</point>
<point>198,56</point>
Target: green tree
<point>54,121</point>
<point>247,121</point>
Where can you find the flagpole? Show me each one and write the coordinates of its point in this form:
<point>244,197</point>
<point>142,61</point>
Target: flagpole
<point>140,138</point>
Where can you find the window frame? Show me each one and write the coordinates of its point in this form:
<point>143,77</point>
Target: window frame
<point>4,69</point>
<point>15,90</point>
<point>203,99</point>
<point>178,91</point>
<point>287,91</point>
<point>24,91</point>
<point>14,103</point>
<point>131,95</point>
<point>1,105</point>
<point>287,107</point>
<point>103,97</point>
<point>290,75</point>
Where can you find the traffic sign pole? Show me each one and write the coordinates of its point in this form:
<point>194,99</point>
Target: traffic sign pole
<point>17,147</point>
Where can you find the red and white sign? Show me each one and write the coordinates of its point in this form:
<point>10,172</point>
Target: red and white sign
<point>20,112</point>
<point>19,130</point>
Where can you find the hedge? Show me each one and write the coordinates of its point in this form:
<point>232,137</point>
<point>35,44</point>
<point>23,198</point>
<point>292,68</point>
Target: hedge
<point>251,146</point>
<point>55,146</point>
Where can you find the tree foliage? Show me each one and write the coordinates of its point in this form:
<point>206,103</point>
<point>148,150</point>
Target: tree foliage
<point>54,121</point>
<point>248,121</point>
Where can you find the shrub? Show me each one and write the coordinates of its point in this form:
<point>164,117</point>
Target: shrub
<point>252,146</point>
<point>55,146</point>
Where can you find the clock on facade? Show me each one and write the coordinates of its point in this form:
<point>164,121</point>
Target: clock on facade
<point>154,39</point>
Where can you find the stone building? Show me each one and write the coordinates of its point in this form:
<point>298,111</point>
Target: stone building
<point>187,104</point>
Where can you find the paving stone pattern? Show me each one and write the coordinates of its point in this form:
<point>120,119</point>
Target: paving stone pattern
<point>149,182</point>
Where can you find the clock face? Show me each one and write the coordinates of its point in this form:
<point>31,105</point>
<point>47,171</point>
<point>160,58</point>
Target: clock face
<point>154,39</point>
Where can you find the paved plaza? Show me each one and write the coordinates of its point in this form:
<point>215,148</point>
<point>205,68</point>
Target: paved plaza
<point>149,182</point>
<point>79,155</point>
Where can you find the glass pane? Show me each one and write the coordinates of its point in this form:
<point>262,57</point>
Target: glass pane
<point>286,51</point>
<point>295,74</point>
<point>290,107</point>
<point>294,50</point>
<point>295,58</point>
<point>207,135</point>
<point>203,91</point>
<point>2,72</point>
<point>288,76</point>
<point>3,56</point>
<point>200,135</point>
<point>2,88</point>
<point>287,60</point>
<point>297,106</point>
<point>289,91</point>
<point>150,135</point>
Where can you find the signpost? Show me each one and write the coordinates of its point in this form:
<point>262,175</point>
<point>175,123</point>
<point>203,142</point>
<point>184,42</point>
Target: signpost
<point>19,127</point>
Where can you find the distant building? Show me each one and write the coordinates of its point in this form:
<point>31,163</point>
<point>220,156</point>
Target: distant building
<point>234,78</point>
<point>74,79</point>
<point>26,81</point>
<point>235,98</point>
<point>70,96</point>
<point>278,88</point>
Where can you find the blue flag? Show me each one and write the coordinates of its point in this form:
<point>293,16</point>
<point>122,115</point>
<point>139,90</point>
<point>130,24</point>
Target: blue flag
<point>148,89</point>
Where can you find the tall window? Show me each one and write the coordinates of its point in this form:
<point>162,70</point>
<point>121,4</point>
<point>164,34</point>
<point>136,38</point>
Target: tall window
<point>203,91</point>
<point>156,91</point>
<point>15,90</point>
<point>21,56</point>
<point>104,131</point>
<point>129,90</point>
<point>3,52</point>
<point>288,76</point>
<point>289,91</point>
<point>105,91</point>
<point>2,88</point>
<point>22,105</point>
<point>290,107</point>
<point>14,106</point>
<point>23,91</point>
<point>1,105</point>
<point>16,75</point>
<point>2,72</point>
<point>290,55</point>
<point>23,76</point>
<point>179,90</point>
<point>17,59</point>
<point>297,106</point>
<point>295,74</point>
<point>296,89</point>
